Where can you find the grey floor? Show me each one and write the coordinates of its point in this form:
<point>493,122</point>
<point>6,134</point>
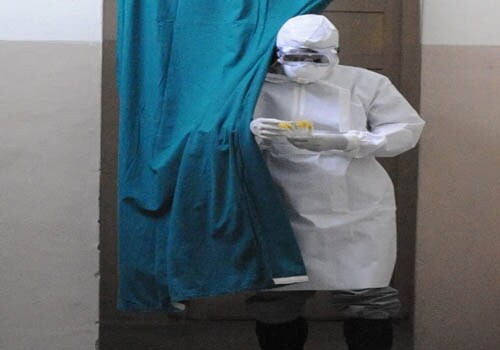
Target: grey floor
<point>226,335</point>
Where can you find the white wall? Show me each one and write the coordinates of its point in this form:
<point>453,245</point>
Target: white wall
<point>458,260</point>
<point>461,22</point>
<point>71,20</point>
<point>50,87</point>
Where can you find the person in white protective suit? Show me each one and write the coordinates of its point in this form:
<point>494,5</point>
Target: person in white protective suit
<point>340,200</point>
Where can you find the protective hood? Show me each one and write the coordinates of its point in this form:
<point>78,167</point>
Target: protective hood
<point>314,32</point>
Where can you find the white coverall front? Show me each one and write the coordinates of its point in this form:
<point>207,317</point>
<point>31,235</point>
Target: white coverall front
<point>340,203</point>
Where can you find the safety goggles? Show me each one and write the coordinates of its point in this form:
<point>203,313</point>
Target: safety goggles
<point>291,56</point>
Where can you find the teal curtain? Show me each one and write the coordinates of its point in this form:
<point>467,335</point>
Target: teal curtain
<point>198,212</point>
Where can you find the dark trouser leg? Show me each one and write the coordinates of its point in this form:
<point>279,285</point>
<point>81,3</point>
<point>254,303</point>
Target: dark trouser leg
<point>367,314</point>
<point>291,335</point>
<point>279,323</point>
<point>366,334</point>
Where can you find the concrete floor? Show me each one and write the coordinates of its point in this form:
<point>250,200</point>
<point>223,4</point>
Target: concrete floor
<point>226,335</point>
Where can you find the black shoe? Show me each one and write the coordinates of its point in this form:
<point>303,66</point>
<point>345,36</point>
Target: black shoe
<point>368,334</point>
<point>283,336</point>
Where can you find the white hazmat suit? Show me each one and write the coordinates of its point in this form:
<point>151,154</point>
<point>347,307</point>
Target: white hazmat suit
<point>340,200</point>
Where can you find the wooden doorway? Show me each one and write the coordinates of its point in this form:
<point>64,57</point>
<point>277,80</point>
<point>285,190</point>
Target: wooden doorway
<point>381,35</point>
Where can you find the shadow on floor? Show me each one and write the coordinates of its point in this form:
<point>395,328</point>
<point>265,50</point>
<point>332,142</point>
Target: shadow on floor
<point>227,335</point>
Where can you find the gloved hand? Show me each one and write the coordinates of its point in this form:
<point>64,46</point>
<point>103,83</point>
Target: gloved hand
<point>266,128</point>
<point>321,142</point>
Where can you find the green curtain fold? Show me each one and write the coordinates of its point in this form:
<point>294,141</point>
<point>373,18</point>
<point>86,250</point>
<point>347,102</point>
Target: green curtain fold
<point>198,212</point>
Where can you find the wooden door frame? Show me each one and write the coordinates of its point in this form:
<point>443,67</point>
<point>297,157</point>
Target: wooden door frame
<point>407,165</point>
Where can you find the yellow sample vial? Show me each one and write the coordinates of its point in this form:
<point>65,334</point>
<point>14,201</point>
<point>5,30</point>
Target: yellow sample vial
<point>303,127</point>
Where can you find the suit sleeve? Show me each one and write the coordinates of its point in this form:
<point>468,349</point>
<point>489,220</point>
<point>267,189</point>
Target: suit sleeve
<point>394,125</point>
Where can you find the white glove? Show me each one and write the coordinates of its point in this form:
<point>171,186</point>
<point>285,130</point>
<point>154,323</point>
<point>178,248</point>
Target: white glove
<point>267,128</point>
<point>322,142</point>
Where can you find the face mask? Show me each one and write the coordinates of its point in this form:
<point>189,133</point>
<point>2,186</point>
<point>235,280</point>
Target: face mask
<point>305,72</point>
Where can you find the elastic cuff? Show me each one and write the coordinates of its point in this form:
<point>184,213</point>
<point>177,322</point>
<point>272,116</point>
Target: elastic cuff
<point>353,141</point>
